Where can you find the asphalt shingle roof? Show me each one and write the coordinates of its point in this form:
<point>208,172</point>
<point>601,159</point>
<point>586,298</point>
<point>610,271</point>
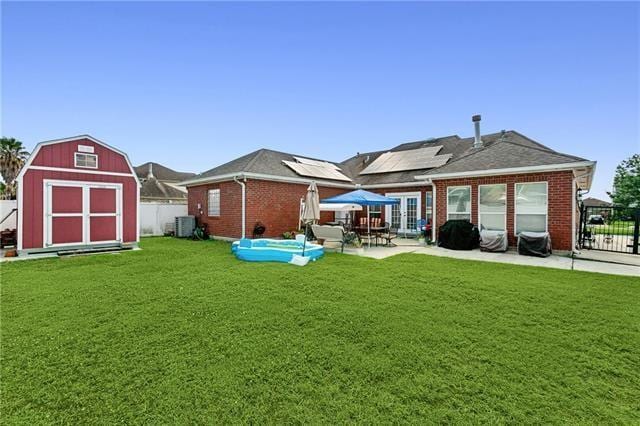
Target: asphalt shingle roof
<point>500,150</point>
<point>161,172</point>
<point>153,189</point>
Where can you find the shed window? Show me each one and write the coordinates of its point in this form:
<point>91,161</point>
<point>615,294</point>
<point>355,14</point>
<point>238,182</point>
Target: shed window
<point>214,202</point>
<point>531,207</point>
<point>459,202</point>
<point>492,207</point>
<point>87,161</point>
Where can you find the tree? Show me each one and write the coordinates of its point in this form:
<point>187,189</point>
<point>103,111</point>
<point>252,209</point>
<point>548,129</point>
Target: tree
<point>626,183</point>
<point>12,158</point>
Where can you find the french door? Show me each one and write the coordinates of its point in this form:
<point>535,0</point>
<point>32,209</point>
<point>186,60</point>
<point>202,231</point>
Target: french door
<point>82,213</point>
<point>404,216</point>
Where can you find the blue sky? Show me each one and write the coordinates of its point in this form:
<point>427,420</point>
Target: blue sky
<point>193,85</point>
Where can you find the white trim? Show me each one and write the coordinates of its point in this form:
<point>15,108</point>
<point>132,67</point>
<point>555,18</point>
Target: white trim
<point>509,170</point>
<point>395,185</point>
<point>19,223</point>
<point>75,160</point>
<point>209,202</point>
<point>48,215</point>
<point>433,215</point>
<point>36,150</point>
<point>137,216</point>
<point>506,201</point>
<point>260,176</point>
<point>85,171</point>
<point>244,205</point>
<point>515,205</point>
<point>403,208</point>
<point>470,200</point>
<point>573,213</point>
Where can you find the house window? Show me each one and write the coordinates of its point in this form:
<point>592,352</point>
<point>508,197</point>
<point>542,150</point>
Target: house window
<point>375,211</point>
<point>429,207</point>
<point>87,161</point>
<point>459,202</point>
<point>214,202</point>
<point>492,207</point>
<point>531,207</point>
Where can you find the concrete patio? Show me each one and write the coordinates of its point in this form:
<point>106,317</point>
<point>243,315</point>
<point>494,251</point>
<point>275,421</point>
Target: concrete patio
<point>590,261</point>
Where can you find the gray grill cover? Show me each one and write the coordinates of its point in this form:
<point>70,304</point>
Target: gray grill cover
<point>493,241</point>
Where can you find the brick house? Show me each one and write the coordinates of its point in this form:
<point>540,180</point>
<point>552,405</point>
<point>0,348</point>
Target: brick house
<point>501,181</point>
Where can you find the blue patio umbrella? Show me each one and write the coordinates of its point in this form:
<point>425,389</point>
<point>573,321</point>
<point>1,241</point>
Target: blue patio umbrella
<point>363,198</point>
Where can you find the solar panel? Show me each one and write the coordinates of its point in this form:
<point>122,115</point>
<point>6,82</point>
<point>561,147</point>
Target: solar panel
<point>322,172</point>
<point>316,163</point>
<point>413,159</point>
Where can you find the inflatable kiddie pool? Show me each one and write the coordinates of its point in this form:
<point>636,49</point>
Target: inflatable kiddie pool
<point>269,250</point>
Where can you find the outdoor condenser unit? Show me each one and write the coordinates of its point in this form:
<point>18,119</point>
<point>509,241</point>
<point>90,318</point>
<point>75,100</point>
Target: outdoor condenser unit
<point>185,226</point>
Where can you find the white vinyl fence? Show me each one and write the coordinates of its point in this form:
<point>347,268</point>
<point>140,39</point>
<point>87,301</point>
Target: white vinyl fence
<point>158,218</point>
<point>5,207</point>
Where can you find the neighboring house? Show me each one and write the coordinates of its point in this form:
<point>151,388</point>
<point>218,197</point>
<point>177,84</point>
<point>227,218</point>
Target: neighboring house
<point>595,202</point>
<point>160,183</point>
<point>503,181</point>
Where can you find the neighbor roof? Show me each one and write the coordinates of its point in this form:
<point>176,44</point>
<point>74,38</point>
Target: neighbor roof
<point>161,172</point>
<point>153,189</point>
<point>595,202</point>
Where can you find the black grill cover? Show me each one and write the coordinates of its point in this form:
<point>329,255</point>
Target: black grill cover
<point>459,235</point>
<point>534,244</point>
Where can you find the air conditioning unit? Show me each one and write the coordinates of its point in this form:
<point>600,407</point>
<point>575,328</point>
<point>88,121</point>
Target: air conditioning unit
<point>185,226</point>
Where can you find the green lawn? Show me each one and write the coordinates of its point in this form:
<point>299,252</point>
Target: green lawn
<point>613,228</point>
<point>182,332</point>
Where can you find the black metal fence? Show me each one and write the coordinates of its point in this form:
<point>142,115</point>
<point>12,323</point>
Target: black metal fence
<point>610,229</point>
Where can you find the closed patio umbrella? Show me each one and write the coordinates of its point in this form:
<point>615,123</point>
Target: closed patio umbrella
<point>311,212</point>
<point>363,198</point>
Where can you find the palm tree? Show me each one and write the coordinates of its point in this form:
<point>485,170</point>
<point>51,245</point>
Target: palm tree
<point>12,158</point>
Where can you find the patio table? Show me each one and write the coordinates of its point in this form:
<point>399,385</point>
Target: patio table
<point>375,231</point>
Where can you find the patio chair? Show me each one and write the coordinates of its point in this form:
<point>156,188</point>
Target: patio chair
<point>389,234</point>
<point>330,233</point>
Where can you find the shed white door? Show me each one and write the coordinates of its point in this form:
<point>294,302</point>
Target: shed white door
<point>82,213</point>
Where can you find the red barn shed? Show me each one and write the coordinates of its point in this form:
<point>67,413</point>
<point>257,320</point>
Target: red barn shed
<point>77,193</point>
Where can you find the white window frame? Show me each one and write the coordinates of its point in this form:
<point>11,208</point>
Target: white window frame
<point>470,200</point>
<point>75,160</point>
<point>377,212</point>
<point>515,205</point>
<point>209,214</point>
<point>506,199</point>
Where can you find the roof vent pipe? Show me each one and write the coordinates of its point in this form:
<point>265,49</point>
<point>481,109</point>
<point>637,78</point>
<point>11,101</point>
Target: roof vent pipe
<point>477,143</point>
<point>150,172</point>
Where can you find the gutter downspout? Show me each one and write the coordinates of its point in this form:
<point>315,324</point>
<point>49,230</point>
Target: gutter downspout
<point>244,210</point>
<point>573,210</point>
<point>433,213</point>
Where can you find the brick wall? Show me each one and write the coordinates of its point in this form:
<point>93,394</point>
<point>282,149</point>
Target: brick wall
<point>228,224</point>
<point>275,204</point>
<point>559,202</point>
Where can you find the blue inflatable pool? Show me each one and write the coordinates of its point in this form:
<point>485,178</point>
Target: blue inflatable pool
<point>268,250</point>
